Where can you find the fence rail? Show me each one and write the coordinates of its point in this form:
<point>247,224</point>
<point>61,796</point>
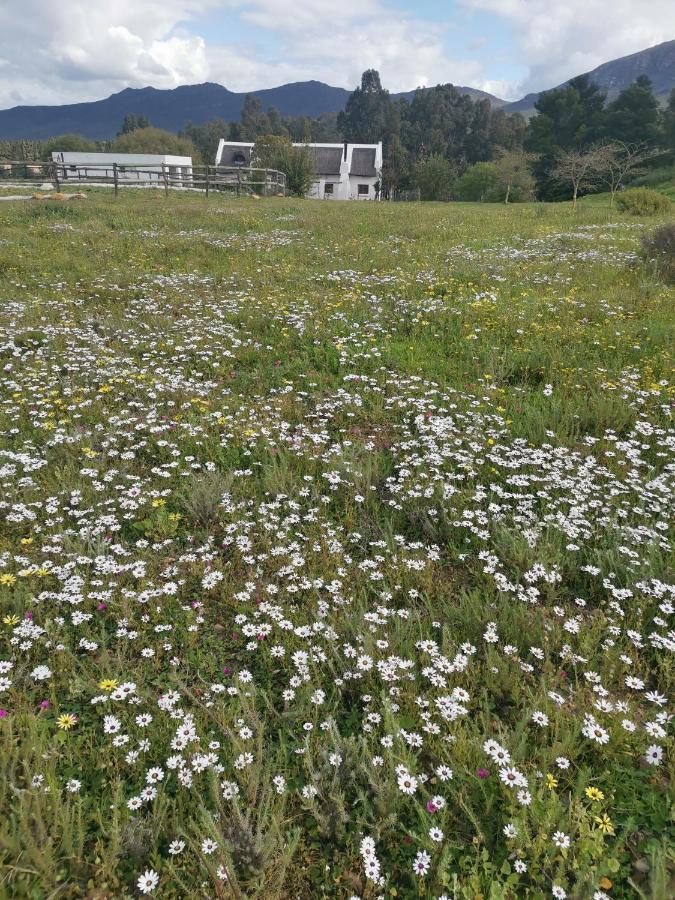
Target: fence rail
<point>237,180</point>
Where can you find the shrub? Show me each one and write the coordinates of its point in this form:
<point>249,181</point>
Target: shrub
<point>658,250</point>
<point>274,152</point>
<point>642,202</point>
<point>155,140</point>
<point>433,177</point>
<point>479,182</point>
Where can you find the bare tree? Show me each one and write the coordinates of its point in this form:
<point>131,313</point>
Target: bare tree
<point>622,160</point>
<point>580,169</point>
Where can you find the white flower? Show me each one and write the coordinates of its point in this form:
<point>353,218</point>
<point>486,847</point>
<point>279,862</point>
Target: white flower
<point>560,839</point>
<point>41,673</point>
<point>407,783</point>
<point>654,755</point>
<point>148,881</point>
<point>421,863</point>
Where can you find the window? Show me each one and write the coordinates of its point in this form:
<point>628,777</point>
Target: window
<point>364,189</point>
<point>239,159</point>
<point>328,188</point>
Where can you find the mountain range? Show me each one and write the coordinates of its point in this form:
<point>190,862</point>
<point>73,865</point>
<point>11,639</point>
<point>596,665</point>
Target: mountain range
<point>171,109</point>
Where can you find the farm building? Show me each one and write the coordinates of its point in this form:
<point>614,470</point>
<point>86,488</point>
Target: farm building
<point>130,166</point>
<point>341,171</point>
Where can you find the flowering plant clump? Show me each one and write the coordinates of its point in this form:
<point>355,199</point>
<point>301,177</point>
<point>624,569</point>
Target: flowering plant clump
<point>334,551</point>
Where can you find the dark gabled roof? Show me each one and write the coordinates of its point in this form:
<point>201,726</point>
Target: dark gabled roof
<point>326,160</point>
<point>363,162</point>
<point>230,152</point>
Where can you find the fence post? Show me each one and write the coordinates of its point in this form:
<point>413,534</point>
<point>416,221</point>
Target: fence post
<point>238,182</point>
<point>55,166</point>
<point>166,180</point>
<point>207,180</point>
<point>115,178</point>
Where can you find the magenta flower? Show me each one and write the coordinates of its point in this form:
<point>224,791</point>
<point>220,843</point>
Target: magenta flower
<point>483,773</point>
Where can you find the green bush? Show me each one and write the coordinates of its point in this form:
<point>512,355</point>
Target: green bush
<point>479,182</point>
<point>658,250</point>
<point>642,202</point>
<point>433,178</point>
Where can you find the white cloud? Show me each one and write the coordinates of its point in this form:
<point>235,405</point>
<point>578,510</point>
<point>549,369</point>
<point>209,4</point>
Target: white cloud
<point>77,50</point>
<point>562,39</point>
<point>74,50</point>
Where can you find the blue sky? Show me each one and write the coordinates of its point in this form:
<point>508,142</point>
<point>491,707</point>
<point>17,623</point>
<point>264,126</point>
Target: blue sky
<point>77,50</point>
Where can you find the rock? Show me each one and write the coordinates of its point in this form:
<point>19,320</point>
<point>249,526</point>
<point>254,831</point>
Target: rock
<point>47,186</point>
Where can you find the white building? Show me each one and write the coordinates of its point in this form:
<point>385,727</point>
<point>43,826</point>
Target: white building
<point>341,171</point>
<point>130,166</point>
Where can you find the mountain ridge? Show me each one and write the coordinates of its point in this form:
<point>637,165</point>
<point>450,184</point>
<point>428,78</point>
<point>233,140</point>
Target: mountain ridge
<point>172,108</point>
<point>657,62</point>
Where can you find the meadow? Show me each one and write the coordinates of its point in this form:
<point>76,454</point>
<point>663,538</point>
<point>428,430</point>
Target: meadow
<point>334,551</point>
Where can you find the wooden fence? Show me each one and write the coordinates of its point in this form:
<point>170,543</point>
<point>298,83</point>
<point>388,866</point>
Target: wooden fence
<point>237,180</point>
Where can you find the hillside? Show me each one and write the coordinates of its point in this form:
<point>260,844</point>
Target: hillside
<point>171,109</point>
<point>657,63</point>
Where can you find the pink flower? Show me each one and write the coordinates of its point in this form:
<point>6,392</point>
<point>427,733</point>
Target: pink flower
<point>483,773</point>
<point>3,713</point>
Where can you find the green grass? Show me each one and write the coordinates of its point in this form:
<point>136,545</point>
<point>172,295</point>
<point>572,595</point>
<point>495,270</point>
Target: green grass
<point>284,462</point>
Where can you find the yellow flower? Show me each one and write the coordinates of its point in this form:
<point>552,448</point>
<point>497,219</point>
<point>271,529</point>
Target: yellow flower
<point>594,794</point>
<point>66,721</point>
<point>605,824</point>
<point>7,578</point>
<point>26,541</point>
<point>107,684</point>
<point>551,782</point>
<point>159,502</point>
<point>11,620</point>
<point>175,517</point>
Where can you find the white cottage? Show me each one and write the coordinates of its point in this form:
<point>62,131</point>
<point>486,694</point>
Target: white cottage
<point>130,166</point>
<point>341,171</point>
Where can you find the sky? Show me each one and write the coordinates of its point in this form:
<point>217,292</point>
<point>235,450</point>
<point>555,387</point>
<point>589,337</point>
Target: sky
<point>76,50</point>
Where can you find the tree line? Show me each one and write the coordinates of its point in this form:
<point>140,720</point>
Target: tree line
<point>441,143</point>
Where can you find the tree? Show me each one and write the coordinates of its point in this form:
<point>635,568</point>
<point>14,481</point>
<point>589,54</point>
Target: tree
<point>206,137</point>
<point>514,176</point>
<point>132,122</point>
<point>669,123</point>
<point>253,120</point>
<point>479,182</point>
<point>622,160</point>
<point>369,115</point>
<point>395,167</point>
<point>580,169</point>
<point>634,116</point>
<point>433,177</point>
<point>67,143</point>
<point>507,130</point>
<point>155,140</point>
<point>567,118</point>
<point>267,150</point>
<point>277,152</point>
